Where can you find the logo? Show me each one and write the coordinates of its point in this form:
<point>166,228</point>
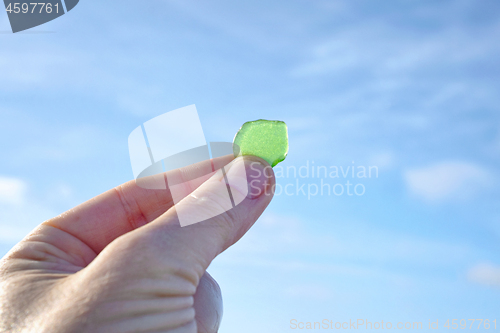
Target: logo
<point>25,15</point>
<point>173,141</point>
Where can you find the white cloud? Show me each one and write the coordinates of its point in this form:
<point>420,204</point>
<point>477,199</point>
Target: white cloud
<point>19,212</point>
<point>12,190</point>
<point>451,180</point>
<point>16,221</point>
<point>485,274</point>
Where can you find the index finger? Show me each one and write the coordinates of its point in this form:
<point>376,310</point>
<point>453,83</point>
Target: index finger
<point>124,208</point>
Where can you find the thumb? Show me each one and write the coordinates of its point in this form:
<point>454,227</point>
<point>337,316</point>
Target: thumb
<point>248,182</point>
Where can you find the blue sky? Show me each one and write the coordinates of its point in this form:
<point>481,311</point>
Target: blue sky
<point>410,87</point>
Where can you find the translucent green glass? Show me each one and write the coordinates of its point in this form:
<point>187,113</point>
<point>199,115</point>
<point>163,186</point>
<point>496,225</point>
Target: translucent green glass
<point>267,139</point>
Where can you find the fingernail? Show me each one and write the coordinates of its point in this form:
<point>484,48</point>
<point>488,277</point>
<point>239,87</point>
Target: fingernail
<point>258,176</point>
<point>249,177</point>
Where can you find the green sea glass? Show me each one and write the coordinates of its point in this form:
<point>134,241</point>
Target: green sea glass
<point>267,139</point>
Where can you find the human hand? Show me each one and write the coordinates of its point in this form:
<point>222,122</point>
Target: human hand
<point>121,262</point>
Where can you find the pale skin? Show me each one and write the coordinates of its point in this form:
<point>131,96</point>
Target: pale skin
<point>121,262</point>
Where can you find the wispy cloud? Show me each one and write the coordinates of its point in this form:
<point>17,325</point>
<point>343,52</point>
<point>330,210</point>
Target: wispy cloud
<point>18,221</point>
<point>20,212</point>
<point>12,191</point>
<point>486,274</point>
<point>32,140</point>
<point>445,181</point>
<point>398,52</point>
<point>357,243</point>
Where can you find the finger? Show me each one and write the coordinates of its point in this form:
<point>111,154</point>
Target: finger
<point>208,305</point>
<point>196,245</point>
<point>102,219</point>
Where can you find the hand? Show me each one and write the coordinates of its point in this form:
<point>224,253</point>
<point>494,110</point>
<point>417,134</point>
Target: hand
<point>121,262</point>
